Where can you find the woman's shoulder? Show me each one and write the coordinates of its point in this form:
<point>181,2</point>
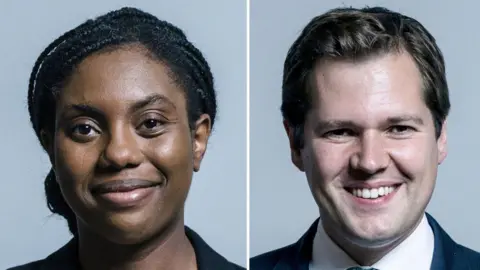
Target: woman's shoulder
<point>65,258</point>
<point>61,259</point>
<point>207,257</point>
<point>237,267</point>
<point>41,265</point>
<point>29,266</point>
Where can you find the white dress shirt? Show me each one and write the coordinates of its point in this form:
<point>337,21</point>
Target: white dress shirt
<point>414,253</point>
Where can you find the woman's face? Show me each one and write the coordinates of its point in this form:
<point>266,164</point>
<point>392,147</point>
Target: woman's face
<point>122,150</point>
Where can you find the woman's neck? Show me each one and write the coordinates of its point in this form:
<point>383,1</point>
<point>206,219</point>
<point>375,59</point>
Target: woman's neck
<point>169,250</point>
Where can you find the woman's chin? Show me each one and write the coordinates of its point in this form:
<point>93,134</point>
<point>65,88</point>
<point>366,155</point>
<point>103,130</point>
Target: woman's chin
<point>133,226</point>
<point>125,231</point>
<point>122,236</point>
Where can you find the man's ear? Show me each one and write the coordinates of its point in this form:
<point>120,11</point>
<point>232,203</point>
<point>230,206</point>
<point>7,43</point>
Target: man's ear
<point>294,151</point>
<point>200,140</point>
<point>442,143</point>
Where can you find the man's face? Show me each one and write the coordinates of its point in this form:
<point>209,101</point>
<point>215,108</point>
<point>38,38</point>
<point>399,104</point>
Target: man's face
<point>370,152</point>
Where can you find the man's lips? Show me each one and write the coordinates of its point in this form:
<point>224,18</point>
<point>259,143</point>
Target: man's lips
<point>372,184</point>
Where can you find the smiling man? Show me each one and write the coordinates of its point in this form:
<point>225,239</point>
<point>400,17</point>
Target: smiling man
<point>365,102</point>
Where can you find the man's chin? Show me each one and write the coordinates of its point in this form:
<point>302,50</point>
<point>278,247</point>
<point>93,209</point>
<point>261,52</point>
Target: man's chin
<point>373,237</point>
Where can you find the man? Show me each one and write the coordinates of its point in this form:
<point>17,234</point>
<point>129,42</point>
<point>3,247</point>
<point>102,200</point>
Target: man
<point>365,102</point>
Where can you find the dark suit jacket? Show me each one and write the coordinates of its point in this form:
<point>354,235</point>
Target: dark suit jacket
<point>66,257</point>
<point>447,254</point>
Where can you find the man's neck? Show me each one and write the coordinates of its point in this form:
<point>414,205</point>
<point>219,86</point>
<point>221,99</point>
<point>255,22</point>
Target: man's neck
<point>171,250</point>
<point>363,254</point>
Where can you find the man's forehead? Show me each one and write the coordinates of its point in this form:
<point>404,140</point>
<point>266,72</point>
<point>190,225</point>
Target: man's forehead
<point>386,79</point>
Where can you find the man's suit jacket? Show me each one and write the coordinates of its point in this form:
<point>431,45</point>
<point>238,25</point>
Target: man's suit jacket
<point>66,257</point>
<point>447,254</point>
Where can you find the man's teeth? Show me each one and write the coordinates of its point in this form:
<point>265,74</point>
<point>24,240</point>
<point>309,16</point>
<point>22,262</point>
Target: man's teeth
<point>372,193</point>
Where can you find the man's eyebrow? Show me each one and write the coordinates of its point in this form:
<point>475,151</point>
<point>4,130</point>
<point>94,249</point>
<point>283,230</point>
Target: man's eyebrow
<point>334,124</point>
<point>405,118</point>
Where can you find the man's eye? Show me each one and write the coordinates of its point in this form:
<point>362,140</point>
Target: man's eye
<point>339,133</point>
<point>400,129</point>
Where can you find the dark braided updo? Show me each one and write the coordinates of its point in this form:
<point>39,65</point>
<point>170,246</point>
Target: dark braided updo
<point>163,42</point>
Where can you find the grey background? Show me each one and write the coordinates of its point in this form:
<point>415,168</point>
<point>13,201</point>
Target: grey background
<point>216,207</point>
<point>281,205</point>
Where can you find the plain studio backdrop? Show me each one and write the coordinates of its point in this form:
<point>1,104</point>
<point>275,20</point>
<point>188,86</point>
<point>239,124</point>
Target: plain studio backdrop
<point>281,205</point>
<point>216,206</point>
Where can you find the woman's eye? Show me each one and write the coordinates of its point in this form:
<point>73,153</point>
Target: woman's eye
<point>151,123</point>
<point>83,129</point>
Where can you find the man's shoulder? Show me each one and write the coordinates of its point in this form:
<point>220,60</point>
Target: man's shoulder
<point>291,255</point>
<point>450,253</point>
<point>467,252</point>
<point>271,258</point>
<point>466,257</point>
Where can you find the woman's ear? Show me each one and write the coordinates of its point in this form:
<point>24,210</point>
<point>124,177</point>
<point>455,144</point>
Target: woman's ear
<point>47,141</point>
<point>200,139</point>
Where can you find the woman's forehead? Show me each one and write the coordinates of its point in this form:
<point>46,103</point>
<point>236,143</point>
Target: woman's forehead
<point>122,75</point>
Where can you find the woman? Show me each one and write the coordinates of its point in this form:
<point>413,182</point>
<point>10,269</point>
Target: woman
<point>124,105</point>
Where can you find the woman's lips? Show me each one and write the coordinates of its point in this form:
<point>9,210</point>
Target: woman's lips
<point>125,193</point>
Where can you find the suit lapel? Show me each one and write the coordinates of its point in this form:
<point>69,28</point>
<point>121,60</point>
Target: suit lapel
<point>299,255</point>
<point>444,248</point>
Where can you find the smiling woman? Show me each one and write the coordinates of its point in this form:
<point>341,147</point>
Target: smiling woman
<point>124,105</point>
